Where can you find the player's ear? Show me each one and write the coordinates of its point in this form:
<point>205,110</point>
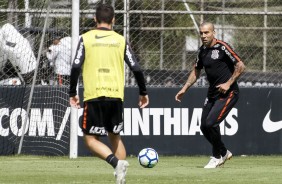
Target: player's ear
<point>113,21</point>
<point>95,19</point>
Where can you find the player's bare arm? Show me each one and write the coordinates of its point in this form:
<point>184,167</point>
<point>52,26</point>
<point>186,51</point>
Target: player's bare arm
<point>239,69</point>
<point>194,75</point>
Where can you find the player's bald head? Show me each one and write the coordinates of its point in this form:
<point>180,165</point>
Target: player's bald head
<point>208,24</point>
<point>207,33</point>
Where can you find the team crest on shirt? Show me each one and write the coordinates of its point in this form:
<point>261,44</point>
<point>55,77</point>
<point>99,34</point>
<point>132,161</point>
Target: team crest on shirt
<point>215,54</point>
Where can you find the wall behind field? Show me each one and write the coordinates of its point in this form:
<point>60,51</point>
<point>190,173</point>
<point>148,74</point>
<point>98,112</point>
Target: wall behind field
<point>254,125</point>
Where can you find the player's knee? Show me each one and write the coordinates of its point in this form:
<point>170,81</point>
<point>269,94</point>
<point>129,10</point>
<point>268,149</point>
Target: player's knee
<point>203,126</point>
<point>206,124</point>
<point>90,140</point>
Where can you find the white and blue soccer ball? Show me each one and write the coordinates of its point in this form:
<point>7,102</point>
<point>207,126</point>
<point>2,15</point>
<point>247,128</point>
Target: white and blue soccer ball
<point>148,158</point>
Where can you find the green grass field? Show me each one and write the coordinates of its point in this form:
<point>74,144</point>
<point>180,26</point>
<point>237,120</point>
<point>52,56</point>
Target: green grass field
<point>174,170</point>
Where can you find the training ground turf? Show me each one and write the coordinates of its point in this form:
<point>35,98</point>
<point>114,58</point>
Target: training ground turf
<point>170,169</point>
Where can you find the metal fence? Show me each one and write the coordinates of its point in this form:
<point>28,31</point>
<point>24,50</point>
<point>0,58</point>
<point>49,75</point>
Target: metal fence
<point>164,33</point>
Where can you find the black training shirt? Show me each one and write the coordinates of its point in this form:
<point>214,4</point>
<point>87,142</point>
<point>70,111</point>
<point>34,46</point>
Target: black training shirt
<point>219,63</point>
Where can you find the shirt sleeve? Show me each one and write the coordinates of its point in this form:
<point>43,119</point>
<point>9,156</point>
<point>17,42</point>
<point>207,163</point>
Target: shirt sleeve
<point>134,66</point>
<point>199,62</point>
<point>76,67</point>
<point>230,53</point>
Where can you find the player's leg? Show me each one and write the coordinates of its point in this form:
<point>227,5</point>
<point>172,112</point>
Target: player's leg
<point>96,146</point>
<point>95,116</point>
<point>114,119</point>
<point>104,152</point>
<point>120,153</point>
<point>216,140</point>
<point>93,127</point>
<point>205,128</point>
<point>206,110</point>
<point>117,146</point>
<point>218,113</point>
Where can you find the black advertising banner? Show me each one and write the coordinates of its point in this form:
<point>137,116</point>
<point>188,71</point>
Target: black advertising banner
<point>47,128</point>
<point>254,125</point>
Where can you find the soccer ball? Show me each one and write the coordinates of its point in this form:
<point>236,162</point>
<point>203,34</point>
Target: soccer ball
<point>148,158</point>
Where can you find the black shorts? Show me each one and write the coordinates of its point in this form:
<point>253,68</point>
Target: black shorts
<point>102,116</point>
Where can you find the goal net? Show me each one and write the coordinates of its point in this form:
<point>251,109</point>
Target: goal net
<point>39,124</point>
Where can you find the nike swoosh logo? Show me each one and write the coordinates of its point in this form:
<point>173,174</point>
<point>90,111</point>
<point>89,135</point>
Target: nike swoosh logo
<point>270,126</point>
<point>99,37</point>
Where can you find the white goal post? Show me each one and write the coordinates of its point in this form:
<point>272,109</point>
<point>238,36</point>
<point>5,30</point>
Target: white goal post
<point>74,112</point>
<point>73,151</point>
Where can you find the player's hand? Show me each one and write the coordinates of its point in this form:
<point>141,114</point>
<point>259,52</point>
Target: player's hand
<point>179,95</point>
<point>143,101</point>
<point>223,88</point>
<point>74,101</point>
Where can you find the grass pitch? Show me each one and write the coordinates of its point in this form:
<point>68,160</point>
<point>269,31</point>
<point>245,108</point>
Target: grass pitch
<point>170,170</point>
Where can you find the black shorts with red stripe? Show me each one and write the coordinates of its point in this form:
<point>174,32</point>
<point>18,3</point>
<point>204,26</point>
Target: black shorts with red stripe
<point>102,115</point>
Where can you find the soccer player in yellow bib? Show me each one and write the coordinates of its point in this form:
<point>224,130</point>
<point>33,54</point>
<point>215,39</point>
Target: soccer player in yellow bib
<point>101,54</point>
